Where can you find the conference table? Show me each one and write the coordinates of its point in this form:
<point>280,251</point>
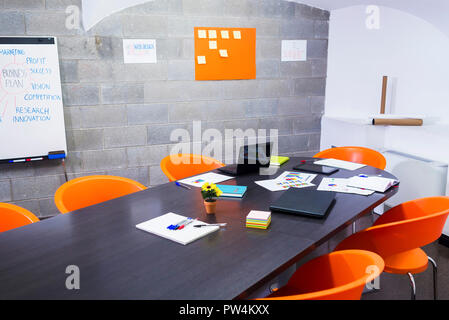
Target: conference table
<point>118,261</point>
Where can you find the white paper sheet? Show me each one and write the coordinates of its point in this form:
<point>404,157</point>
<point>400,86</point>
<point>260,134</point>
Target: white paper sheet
<point>287,180</point>
<point>199,180</point>
<point>351,166</point>
<point>139,51</point>
<point>340,185</point>
<point>294,50</point>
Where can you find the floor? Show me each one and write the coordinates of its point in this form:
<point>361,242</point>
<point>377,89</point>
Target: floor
<point>397,287</point>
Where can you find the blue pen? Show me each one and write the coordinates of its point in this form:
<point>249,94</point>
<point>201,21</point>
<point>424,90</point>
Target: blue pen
<point>182,186</point>
<point>175,226</point>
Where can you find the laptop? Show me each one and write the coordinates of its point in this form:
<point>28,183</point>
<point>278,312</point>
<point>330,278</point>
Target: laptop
<point>311,203</point>
<point>250,159</point>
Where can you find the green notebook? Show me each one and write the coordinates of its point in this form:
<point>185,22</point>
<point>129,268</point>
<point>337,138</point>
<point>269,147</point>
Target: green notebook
<point>278,160</point>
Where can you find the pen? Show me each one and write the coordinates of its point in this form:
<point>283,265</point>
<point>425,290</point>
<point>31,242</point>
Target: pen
<point>185,224</point>
<point>182,186</point>
<point>211,225</point>
<point>175,226</point>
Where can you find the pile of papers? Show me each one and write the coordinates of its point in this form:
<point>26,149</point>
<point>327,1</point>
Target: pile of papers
<point>287,180</point>
<point>199,180</point>
<point>258,219</point>
<point>361,184</point>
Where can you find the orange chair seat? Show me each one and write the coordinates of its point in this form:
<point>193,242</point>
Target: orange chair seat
<point>286,291</point>
<point>413,261</point>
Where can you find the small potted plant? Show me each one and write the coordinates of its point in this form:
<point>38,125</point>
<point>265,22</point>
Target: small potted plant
<point>210,193</point>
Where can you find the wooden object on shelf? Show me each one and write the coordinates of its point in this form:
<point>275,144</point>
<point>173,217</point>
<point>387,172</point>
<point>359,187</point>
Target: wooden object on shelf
<point>398,122</point>
<point>383,101</point>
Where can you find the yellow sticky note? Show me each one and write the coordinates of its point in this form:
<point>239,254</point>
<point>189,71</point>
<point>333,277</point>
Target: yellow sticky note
<point>202,34</point>
<point>212,44</point>
<point>212,34</point>
<point>237,35</point>
<point>224,53</point>
<point>225,34</point>
<point>201,60</point>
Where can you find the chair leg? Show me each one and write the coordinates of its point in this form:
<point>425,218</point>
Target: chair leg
<point>435,282</point>
<point>412,284</point>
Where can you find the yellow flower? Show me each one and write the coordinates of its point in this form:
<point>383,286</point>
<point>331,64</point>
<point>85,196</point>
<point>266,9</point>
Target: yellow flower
<point>205,186</point>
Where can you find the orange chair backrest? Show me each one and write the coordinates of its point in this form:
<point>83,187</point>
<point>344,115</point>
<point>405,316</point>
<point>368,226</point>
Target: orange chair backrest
<point>86,191</point>
<point>405,227</point>
<point>12,216</point>
<point>340,275</point>
<point>180,166</point>
<point>355,154</point>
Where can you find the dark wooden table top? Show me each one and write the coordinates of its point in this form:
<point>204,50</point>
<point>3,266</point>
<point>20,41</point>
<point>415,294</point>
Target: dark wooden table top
<point>118,261</point>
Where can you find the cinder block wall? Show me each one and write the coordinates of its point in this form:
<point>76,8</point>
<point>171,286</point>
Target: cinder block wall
<point>119,117</point>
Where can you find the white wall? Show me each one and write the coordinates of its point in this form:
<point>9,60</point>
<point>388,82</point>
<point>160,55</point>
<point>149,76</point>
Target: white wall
<point>405,47</point>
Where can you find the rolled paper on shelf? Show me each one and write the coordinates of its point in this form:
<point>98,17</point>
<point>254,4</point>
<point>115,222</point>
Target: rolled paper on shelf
<point>398,122</point>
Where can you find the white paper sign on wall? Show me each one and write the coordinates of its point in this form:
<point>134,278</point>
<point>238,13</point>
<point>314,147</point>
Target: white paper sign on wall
<point>139,51</point>
<point>294,50</point>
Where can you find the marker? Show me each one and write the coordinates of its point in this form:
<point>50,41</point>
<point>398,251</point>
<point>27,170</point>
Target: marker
<point>175,226</point>
<point>211,225</point>
<point>182,186</point>
<point>18,160</point>
<point>185,224</point>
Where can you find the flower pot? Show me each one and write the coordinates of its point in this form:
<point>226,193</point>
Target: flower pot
<point>210,206</point>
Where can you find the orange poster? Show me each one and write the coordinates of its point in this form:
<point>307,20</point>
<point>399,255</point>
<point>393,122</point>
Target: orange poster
<point>225,53</point>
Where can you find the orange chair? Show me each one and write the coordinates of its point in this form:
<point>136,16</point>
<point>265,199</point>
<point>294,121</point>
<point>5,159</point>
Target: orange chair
<point>400,232</point>
<point>180,166</point>
<point>12,216</point>
<point>355,154</point>
<point>87,191</point>
<point>339,275</point>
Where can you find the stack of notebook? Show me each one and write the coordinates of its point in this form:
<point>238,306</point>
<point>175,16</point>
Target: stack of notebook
<point>258,219</point>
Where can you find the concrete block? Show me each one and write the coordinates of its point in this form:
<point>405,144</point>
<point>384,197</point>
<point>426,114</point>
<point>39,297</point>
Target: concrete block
<point>255,108</point>
<point>297,29</point>
<point>293,143</point>
<point>142,26</point>
<point>35,187</point>
<point>140,174</point>
<point>296,69</point>
<point>80,94</point>
<point>163,91</point>
<point>12,23</point>
<point>203,7</point>
<point>268,69</point>
<point>268,49</point>
<point>161,134</point>
<point>125,137</point>
<point>181,70</point>
<point>275,88</point>
<point>319,68</point>
<point>24,4</point>
<point>48,168</point>
<point>307,124</point>
<point>72,118</point>
<point>109,27</point>
<point>47,207</point>
<point>157,177</point>
<point>293,106</point>
<point>321,29</point>
<point>287,9</point>
<point>147,114</point>
<point>240,89</point>
<point>187,111</point>
<point>311,86</point>
<point>283,125</point>
<point>101,117</point>
<point>16,170</point>
<point>317,49</point>
<point>81,140</point>
<point>77,48</point>
<point>145,156</point>
<point>139,72</point>
<point>69,71</point>
<point>317,104</point>
<point>308,12</point>
<point>165,7</point>
<point>314,141</point>
<point>109,48</point>
<point>95,71</point>
<point>31,205</point>
<point>61,4</point>
<point>5,190</point>
<point>122,93</point>
<point>104,159</point>
<point>74,161</point>
<point>48,23</point>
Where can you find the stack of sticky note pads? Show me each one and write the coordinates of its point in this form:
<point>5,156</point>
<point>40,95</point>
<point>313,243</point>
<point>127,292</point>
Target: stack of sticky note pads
<point>258,219</point>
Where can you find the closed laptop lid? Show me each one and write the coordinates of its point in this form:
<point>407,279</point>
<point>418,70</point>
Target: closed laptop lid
<point>305,202</point>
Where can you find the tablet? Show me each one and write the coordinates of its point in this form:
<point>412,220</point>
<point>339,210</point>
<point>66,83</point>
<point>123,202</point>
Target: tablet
<point>310,167</point>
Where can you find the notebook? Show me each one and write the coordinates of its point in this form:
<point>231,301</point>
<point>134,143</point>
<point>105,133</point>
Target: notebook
<point>305,202</point>
<point>375,183</point>
<point>232,191</point>
<point>278,160</point>
<point>158,226</point>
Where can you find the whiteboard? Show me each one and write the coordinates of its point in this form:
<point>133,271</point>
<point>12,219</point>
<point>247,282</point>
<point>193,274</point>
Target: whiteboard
<point>31,108</point>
